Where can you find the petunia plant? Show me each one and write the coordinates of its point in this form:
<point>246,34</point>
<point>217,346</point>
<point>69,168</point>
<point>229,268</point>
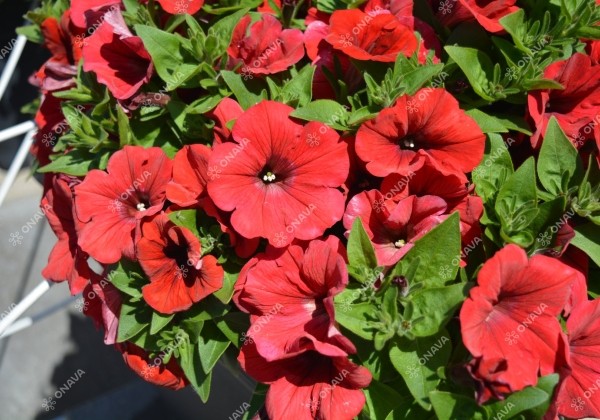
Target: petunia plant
<point>382,209</point>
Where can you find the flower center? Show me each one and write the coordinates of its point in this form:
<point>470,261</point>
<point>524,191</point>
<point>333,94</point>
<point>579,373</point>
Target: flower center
<point>399,243</point>
<point>141,206</point>
<point>408,143</point>
<point>268,176</point>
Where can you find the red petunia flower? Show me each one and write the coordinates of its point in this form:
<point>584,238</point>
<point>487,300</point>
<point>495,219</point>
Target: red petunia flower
<point>309,385</point>
<point>293,293</point>
<point>66,262</point>
<point>509,320</point>
<point>391,142</point>
<point>189,175</point>
<point>373,36</point>
<point>393,228</point>
<point>102,302</point>
<point>227,110</point>
<point>86,13</point>
<point>280,178</point>
<point>264,47</point>
<point>117,57</point>
<point>486,13</point>
<point>397,7</point>
<point>112,204</point>
<point>578,395</point>
<point>179,276</point>
<point>181,7</point>
<point>154,371</point>
<point>575,106</point>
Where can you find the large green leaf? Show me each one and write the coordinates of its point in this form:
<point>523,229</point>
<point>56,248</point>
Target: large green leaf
<point>326,111</point>
<point>189,360</point>
<point>477,66</point>
<point>418,361</point>
<point>361,253</point>
<point>559,166</point>
<point>211,345</point>
<point>494,169</point>
<point>132,320</point>
<point>381,400</point>
<point>587,238</point>
<point>450,406</point>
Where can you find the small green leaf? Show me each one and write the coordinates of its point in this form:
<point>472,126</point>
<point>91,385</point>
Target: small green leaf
<point>211,345</point>
<point>189,360</point>
<point>128,277</point>
<point>493,171</point>
<point>241,92</point>
<point>448,406</point>
<point>326,111</point>
<point>478,68</point>
<point>132,320</point>
<point>381,399</point>
<point>187,219</point>
<point>498,123</point>
<point>361,253</point>
<point>587,238</point>
<point>298,91</point>
<point>159,321</point>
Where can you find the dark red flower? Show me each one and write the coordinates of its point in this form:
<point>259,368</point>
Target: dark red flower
<point>309,385</point>
<point>280,178</point>
<point>154,371</point>
<point>179,275</point>
<point>391,142</point>
<point>49,119</point>
<point>578,394</point>
<point>486,13</point>
<point>117,57</point>
<point>374,36</point>
<point>289,296</point>
<point>181,7</point>
<point>574,107</point>
<point>102,303</point>
<point>396,7</point>
<point>189,175</point>
<point>264,47</point>
<point>112,204</point>
<point>66,262</point>
<point>394,227</point>
<point>509,323</point>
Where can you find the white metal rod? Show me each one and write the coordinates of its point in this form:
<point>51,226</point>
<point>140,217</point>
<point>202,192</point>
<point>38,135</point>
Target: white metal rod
<point>27,322</point>
<point>16,165</point>
<point>16,130</point>
<point>25,304</point>
<point>12,62</point>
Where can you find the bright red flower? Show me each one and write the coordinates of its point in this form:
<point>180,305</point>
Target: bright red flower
<point>189,175</point>
<point>393,228</point>
<point>374,36</point>
<point>66,262</point>
<point>117,57</point>
<point>486,13</point>
<point>179,275</point>
<point>509,319</point>
<point>264,47</point>
<point>289,296</point>
<point>227,110</point>
<point>578,394</point>
<point>168,375</point>
<point>396,7</point>
<point>181,7</point>
<point>280,178</point>
<point>112,204</point>
<point>84,11</point>
<point>575,106</point>
<point>390,143</point>
<point>308,386</point>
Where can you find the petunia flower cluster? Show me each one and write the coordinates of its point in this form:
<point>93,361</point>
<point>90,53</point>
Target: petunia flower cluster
<point>384,209</point>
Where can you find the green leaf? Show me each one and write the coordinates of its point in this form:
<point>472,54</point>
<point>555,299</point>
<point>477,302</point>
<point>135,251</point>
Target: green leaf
<point>433,308</point>
<point>187,219</point>
<point>539,84</point>
<point>233,325</point>
<point>587,238</point>
<point>132,320</point>
<point>257,402</point>
<point>415,79</point>
<point>326,111</point>
<point>440,249</point>
<point>159,321</point>
<point>225,293</point>
<point>189,360</point>
<point>77,162</point>
<point>354,316</point>
<point>172,63</point>
<point>498,123</point>
<point>515,25</point>
<point>494,169</point>
<point>477,66</point>
<point>128,277</point>
<point>211,345</point>
<point>223,28</point>
<point>361,253</point>
<point>516,195</point>
<point>241,92</point>
<point>381,399</point>
<point>124,129</point>
<point>418,361</point>
<point>298,91</point>
<point>559,165</point>
<point>526,399</point>
<point>448,406</point>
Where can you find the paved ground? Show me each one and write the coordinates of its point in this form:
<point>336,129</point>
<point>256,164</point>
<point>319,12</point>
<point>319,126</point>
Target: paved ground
<point>35,363</point>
